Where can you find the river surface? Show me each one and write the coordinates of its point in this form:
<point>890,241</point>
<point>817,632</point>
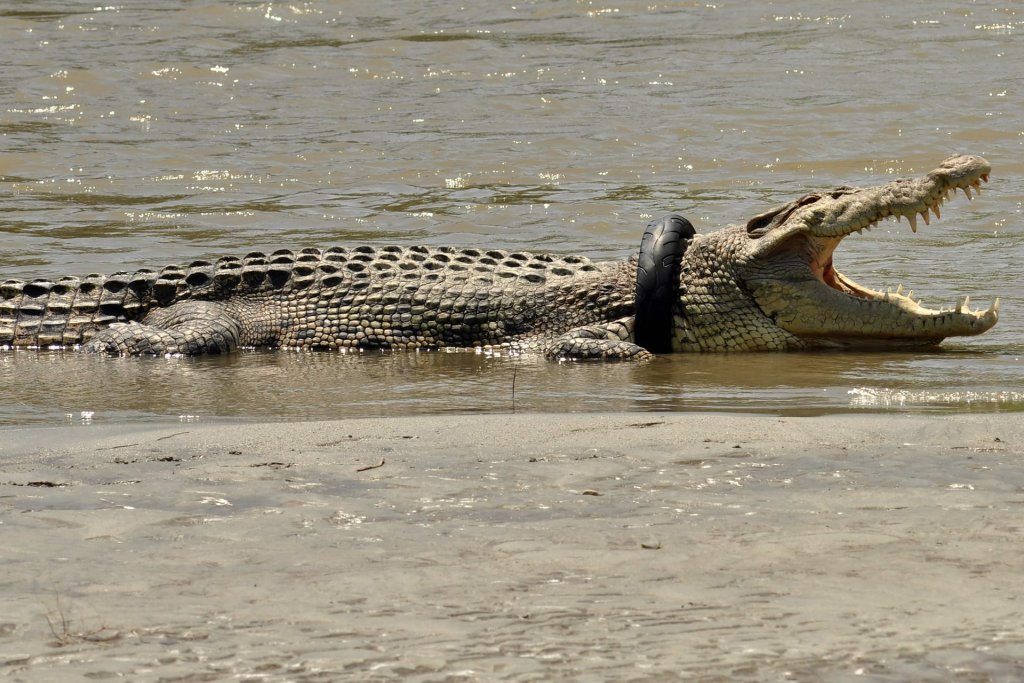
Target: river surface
<point>144,133</point>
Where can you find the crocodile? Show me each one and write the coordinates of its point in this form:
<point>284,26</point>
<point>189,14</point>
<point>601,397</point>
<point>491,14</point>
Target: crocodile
<point>767,285</point>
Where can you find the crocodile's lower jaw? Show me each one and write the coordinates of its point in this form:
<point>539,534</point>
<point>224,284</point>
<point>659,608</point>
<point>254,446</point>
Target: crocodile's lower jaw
<point>906,301</point>
<point>836,311</point>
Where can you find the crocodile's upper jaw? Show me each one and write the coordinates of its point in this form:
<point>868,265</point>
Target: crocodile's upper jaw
<point>790,271</point>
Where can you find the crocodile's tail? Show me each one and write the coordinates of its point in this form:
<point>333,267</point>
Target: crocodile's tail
<point>70,310</point>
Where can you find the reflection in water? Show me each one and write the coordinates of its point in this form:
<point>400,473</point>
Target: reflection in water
<point>814,383</point>
<point>61,386</point>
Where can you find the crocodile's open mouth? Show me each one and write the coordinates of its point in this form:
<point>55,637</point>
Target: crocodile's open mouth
<point>824,269</point>
<point>834,309</point>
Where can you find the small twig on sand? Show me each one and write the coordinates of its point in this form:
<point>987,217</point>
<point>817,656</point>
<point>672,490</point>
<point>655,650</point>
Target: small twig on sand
<point>371,467</point>
<point>63,632</point>
<point>515,371</point>
<point>171,436</point>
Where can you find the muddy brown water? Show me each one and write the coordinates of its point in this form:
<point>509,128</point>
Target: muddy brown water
<point>143,133</point>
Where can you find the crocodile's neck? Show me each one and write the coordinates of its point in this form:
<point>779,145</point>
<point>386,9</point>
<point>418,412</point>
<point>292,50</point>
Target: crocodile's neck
<point>715,311</point>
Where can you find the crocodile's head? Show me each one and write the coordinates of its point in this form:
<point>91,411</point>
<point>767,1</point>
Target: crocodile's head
<point>784,260</point>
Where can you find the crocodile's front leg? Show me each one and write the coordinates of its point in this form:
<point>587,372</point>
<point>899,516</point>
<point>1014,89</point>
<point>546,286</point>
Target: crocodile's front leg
<point>607,341</point>
<point>189,328</point>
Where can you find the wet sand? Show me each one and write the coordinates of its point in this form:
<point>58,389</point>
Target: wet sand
<point>627,547</point>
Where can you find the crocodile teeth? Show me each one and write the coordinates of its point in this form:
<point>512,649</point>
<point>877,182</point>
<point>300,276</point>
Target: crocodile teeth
<point>962,305</point>
<point>927,218</point>
<point>935,210</point>
<point>967,191</point>
<point>912,218</point>
<point>899,289</point>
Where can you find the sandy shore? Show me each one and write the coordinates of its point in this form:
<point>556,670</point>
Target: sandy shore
<point>632,547</point>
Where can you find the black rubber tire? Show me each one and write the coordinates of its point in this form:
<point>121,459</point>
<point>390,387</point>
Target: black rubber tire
<point>657,280</point>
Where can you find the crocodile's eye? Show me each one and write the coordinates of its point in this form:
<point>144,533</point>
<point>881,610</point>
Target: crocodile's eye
<point>762,224</point>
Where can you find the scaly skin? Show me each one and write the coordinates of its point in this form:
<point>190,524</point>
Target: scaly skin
<point>770,285</point>
<point>362,298</point>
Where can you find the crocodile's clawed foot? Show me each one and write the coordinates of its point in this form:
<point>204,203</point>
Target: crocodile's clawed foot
<point>610,341</point>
